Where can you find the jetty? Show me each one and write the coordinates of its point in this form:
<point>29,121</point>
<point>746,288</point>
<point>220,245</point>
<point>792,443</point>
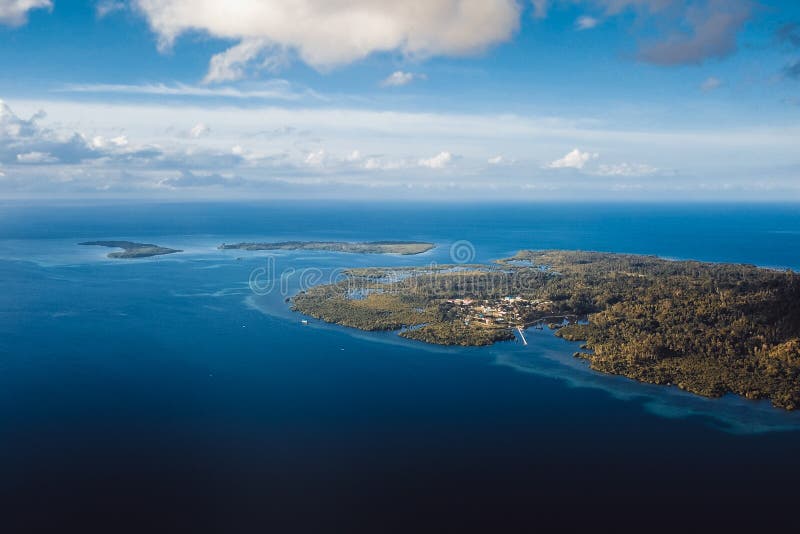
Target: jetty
<point>522,335</point>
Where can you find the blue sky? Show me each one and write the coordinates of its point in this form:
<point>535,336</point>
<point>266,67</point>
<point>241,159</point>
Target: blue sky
<point>451,99</point>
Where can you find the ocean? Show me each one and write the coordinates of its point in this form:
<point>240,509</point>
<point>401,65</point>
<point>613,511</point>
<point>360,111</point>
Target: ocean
<point>173,394</point>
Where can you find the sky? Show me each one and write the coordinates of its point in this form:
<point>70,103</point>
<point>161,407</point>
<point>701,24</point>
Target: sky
<point>686,100</point>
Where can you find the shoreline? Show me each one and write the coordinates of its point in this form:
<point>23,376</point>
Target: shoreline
<point>650,319</point>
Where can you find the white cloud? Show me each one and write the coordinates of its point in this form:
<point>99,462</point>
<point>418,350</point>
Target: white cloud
<point>317,158</point>
<point>399,78</point>
<point>586,23</point>
<point>103,8</point>
<point>25,141</point>
<point>257,54</point>
<point>394,151</point>
<point>500,160</point>
<point>373,164</point>
<point>710,83</point>
<point>119,141</point>
<point>382,164</point>
<point>573,160</point>
<point>36,157</point>
<point>15,12</point>
<point>326,34</point>
<point>626,169</point>
<point>11,126</point>
<point>199,130</point>
<point>275,89</point>
<point>439,161</point>
<point>100,142</point>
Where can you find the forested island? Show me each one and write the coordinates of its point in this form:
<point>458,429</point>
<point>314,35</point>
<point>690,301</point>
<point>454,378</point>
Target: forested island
<point>707,328</point>
<point>406,248</point>
<point>132,250</point>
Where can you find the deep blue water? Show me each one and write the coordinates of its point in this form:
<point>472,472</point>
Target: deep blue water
<point>165,394</point>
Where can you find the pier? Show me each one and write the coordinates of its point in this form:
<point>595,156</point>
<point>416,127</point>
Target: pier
<point>522,335</point>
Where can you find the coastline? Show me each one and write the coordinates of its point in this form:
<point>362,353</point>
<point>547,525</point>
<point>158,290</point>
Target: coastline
<point>654,320</point>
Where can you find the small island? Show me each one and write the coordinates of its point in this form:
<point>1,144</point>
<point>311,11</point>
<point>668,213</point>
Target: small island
<point>132,250</point>
<point>405,248</point>
<point>707,328</point>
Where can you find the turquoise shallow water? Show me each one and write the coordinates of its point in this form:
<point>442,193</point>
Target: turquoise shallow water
<point>167,385</point>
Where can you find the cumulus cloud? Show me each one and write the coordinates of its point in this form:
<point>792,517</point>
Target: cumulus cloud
<point>100,142</point>
<point>316,158</point>
<point>264,144</point>
<point>398,78</point>
<point>15,12</point>
<point>119,141</point>
<point>13,127</point>
<point>439,161</point>
<point>25,141</point>
<point>573,160</point>
<point>500,160</point>
<point>199,130</point>
<point>586,23</point>
<point>326,34</point>
<point>710,83</point>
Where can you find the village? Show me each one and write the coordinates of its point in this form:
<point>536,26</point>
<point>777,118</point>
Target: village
<point>506,312</point>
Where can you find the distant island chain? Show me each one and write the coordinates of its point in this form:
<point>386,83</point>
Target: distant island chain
<point>132,250</point>
<point>405,248</point>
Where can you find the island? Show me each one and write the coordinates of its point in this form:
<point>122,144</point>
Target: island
<point>132,250</point>
<point>707,328</point>
<point>405,248</point>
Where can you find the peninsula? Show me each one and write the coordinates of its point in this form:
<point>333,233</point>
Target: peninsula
<point>707,328</point>
<point>132,250</point>
<point>405,248</point>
